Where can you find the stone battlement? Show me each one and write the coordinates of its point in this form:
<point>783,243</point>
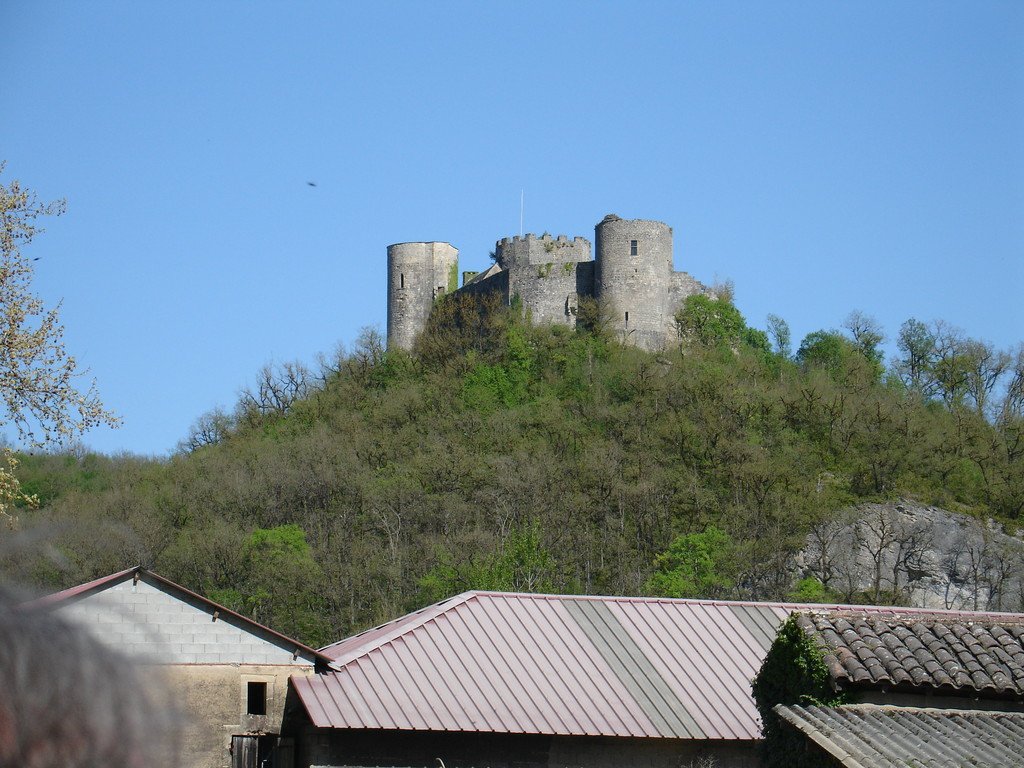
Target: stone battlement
<point>521,251</point>
<point>545,238</point>
<point>630,273</point>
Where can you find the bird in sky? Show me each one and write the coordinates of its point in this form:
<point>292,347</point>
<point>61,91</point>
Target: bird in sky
<point>311,183</point>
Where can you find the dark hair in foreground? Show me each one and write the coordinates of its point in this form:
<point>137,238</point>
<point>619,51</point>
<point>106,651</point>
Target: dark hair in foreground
<point>68,701</point>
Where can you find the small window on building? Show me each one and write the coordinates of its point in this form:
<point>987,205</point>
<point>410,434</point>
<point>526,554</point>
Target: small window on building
<point>627,317</point>
<point>401,280</point>
<point>256,698</point>
<point>634,247</point>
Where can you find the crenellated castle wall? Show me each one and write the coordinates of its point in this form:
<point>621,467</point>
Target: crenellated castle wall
<point>531,249</point>
<point>630,275</point>
<point>542,272</point>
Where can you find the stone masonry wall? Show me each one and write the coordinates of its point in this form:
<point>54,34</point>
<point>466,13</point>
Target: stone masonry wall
<point>634,268</point>
<point>418,273</point>
<point>206,662</point>
<point>213,698</point>
<point>542,273</point>
<point>681,285</point>
<point>630,275</point>
<point>530,249</point>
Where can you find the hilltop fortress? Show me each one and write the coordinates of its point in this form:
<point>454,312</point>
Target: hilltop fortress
<point>630,274</point>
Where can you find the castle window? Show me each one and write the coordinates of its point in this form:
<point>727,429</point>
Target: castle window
<point>634,247</point>
<point>627,317</point>
<point>401,281</point>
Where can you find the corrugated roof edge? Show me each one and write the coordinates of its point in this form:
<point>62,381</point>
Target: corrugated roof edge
<point>97,585</point>
<point>927,746</point>
<point>351,648</point>
<point>747,603</point>
<point>81,590</point>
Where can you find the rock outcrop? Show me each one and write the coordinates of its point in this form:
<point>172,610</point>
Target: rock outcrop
<point>906,553</point>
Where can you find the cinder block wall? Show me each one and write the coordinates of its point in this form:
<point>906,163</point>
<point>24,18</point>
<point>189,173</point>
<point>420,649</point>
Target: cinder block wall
<point>206,663</point>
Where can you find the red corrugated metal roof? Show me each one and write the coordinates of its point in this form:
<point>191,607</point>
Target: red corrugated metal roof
<point>554,664</point>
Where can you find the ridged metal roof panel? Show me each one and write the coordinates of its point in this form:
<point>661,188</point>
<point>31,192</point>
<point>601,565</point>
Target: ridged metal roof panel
<point>489,664</point>
<point>708,657</point>
<point>554,664</point>
<point>634,669</point>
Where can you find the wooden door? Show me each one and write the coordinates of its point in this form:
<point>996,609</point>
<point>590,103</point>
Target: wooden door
<point>245,752</point>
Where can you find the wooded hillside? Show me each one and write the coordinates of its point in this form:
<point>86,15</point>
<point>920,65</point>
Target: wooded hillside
<point>499,455</point>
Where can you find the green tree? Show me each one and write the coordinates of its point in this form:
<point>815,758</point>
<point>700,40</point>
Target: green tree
<point>462,323</point>
<point>282,585</point>
<point>209,429</point>
<point>40,383</point>
<point>1012,405</point>
<point>533,458</point>
<point>505,383</point>
<point>985,366</point>
<point>695,565</point>
<point>780,335</point>
<point>810,590</point>
<point>793,672</point>
<point>829,351</point>
<point>710,322</point>
<point>867,337</point>
<point>522,564</point>
<point>915,368</point>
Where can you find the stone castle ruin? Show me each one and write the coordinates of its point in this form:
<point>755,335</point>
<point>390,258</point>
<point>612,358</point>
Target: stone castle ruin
<point>630,274</point>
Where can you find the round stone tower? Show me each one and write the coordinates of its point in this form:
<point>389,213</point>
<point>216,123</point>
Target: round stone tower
<point>633,274</point>
<point>418,273</point>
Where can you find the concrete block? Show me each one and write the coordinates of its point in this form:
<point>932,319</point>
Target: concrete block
<point>105,620</point>
<point>204,634</point>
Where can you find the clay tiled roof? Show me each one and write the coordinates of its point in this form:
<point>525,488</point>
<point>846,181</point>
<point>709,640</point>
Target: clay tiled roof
<point>870,736</point>
<point>980,655</point>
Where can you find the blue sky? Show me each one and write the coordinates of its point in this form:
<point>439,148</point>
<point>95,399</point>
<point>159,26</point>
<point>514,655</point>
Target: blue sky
<point>826,157</point>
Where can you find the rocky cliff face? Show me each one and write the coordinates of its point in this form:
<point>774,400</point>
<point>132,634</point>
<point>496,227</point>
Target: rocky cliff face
<point>909,554</point>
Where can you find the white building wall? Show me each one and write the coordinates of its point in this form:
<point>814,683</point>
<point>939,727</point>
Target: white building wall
<point>143,621</point>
